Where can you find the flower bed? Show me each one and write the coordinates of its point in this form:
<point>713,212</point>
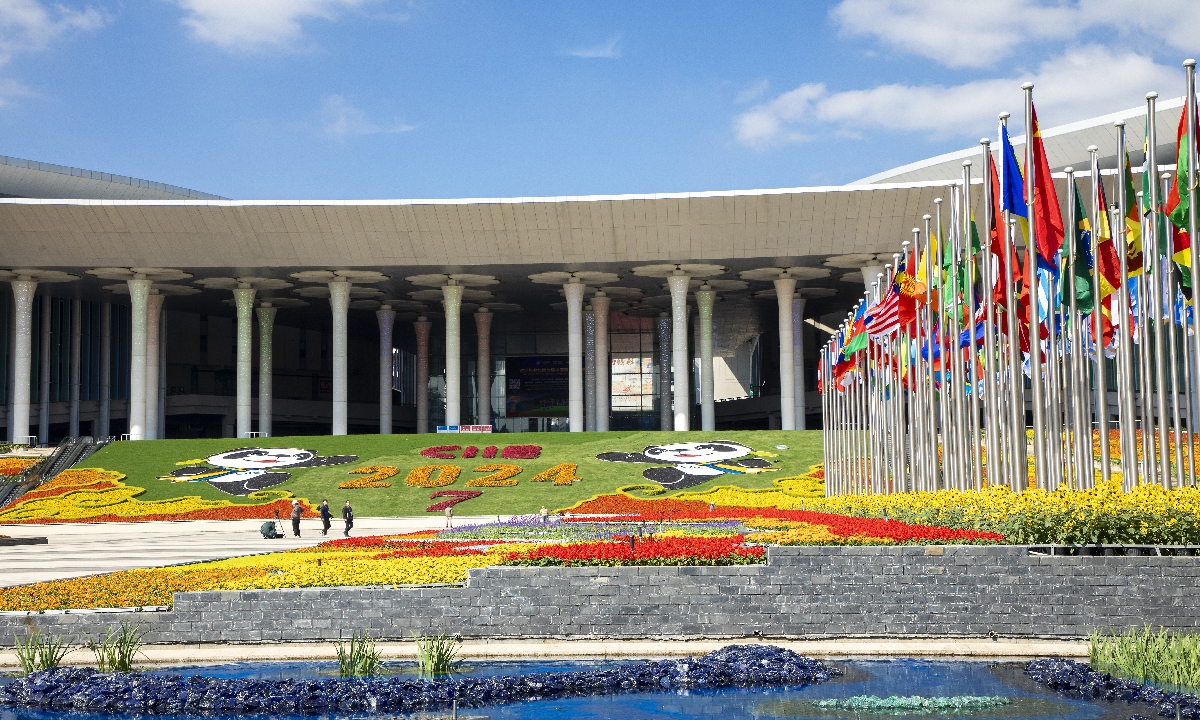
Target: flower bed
<point>16,465</point>
<point>689,550</point>
<point>374,476</point>
<point>846,528</point>
<point>95,495</point>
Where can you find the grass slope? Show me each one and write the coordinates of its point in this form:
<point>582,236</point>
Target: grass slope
<point>143,462</point>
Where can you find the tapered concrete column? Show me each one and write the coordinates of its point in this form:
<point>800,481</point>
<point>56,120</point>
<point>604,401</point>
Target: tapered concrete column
<point>339,303</point>
<point>10,367</point>
<point>421,327</point>
<point>76,387</point>
<point>575,402</point>
<point>483,367</point>
<point>452,302</point>
<point>870,274</point>
<point>679,349</point>
<point>785,288</point>
<point>266,367</point>
<point>139,292</point>
<point>103,427</point>
<point>589,369</point>
<point>600,306</point>
<point>666,419</point>
<point>243,298</point>
<point>154,305</point>
<point>162,374</point>
<point>387,322</point>
<point>44,376</point>
<point>23,294</point>
<point>704,302</point>
<point>798,358</point>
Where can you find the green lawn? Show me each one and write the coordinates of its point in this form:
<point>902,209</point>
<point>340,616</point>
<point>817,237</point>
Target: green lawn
<point>144,462</point>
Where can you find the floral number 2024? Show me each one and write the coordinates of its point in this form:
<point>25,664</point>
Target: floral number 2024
<point>499,475</point>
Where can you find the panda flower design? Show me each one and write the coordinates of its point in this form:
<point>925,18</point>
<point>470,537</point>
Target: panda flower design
<point>691,463</point>
<point>246,470</point>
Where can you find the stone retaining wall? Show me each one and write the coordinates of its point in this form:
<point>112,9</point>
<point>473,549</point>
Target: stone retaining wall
<point>800,592</point>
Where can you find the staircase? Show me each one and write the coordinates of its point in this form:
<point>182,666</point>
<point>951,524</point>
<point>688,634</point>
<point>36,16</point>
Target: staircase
<point>69,452</point>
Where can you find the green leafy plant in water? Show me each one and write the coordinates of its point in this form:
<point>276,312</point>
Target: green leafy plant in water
<point>437,654</point>
<point>116,651</point>
<point>895,705</point>
<point>40,652</point>
<point>1162,658</point>
<point>361,658</point>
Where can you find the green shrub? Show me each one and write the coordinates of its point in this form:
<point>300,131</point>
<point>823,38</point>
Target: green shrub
<point>361,658</point>
<point>115,652</point>
<point>40,652</point>
<point>438,654</point>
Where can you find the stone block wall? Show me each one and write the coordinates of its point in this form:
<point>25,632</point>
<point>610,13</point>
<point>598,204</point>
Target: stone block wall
<point>801,592</point>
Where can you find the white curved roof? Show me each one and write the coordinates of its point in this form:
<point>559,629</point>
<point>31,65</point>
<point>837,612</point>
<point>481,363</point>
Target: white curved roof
<point>31,179</point>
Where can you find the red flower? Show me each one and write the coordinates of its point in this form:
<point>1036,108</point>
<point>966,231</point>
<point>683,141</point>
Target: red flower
<point>469,452</point>
<point>663,551</point>
<point>521,452</point>
<point>489,452</point>
<point>456,496</point>
<point>441,452</point>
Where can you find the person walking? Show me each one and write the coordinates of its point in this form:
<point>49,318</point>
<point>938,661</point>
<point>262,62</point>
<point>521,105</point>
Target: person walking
<point>326,517</point>
<point>545,515</point>
<point>348,517</point>
<point>449,516</point>
<point>297,511</point>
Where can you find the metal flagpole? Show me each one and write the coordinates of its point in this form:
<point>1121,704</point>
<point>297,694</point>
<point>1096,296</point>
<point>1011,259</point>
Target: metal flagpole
<point>1097,324</point>
<point>1035,340</point>
<point>962,466</point>
<point>1081,465</point>
<point>1169,297</point>
<point>995,457</point>
<point>972,342</point>
<point>934,479</point>
<point>1020,442</point>
<point>1149,463</point>
<point>1192,182</point>
<point>1154,221</point>
<point>1125,377</point>
<point>917,388</point>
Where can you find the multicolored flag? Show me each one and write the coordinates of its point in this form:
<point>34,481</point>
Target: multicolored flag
<point>1080,277</point>
<point>1133,226</point>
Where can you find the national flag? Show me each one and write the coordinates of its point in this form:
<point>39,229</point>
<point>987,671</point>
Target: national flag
<point>1047,218</point>
<point>1133,226</point>
<point>1178,203</point>
<point>1003,251</point>
<point>856,339</point>
<point>1080,277</point>
<point>1110,264</point>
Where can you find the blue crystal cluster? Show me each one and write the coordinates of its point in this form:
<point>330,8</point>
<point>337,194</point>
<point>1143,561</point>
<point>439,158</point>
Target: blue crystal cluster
<point>1079,680</point>
<point>85,690</point>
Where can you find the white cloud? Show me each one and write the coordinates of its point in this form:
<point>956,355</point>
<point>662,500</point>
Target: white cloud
<point>28,26</point>
<point>979,33</point>
<point>753,92</point>
<point>609,50</point>
<point>252,24</point>
<point>340,119</point>
<point>1082,83</point>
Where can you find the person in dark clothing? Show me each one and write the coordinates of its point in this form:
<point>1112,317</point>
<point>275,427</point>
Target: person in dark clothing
<point>348,516</point>
<point>326,517</point>
<point>297,511</point>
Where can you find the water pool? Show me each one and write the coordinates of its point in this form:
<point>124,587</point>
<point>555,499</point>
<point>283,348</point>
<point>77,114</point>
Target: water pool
<point>883,678</point>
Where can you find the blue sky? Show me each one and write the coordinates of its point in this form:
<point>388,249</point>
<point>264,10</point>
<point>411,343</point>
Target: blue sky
<point>386,99</point>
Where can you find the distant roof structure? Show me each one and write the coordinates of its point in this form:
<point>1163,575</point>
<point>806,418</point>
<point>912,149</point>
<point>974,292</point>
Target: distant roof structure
<point>31,179</point>
<point>1066,146</point>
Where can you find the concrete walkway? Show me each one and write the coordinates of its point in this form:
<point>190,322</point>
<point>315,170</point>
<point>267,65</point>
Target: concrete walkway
<point>950,648</point>
<point>76,549</point>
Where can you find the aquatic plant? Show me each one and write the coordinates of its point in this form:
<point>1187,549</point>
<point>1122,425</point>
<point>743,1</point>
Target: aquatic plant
<point>115,652</point>
<point>361,659</point>
<point>913,704</point>
<point>131,694</point>
<point>437,654</point>
<point>40,652</point>
<point>1146,656</point>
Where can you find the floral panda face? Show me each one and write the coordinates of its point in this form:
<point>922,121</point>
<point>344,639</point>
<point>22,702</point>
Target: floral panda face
<point>692,463</point>
<point>247,470</point>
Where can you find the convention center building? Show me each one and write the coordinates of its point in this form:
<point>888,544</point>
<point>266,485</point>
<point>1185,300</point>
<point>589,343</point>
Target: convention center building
<point>143,310</point>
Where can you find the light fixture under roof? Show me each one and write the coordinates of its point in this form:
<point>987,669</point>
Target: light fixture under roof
<point>150,273</point>
<point>767,274</point>
<point>440,279</point>
<point>669,269</point>
<point>587,277</point>
<point>328,276</point>
<point>258,283</point>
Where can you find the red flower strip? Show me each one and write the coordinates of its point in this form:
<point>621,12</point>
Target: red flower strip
<point>441,452</point>
<point>840,525</point>
<point>673,550</point>
<point>521,452</point>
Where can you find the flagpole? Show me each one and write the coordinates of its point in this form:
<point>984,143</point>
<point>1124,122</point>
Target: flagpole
<point>962,455</point>
<point>992,433</point>
<point>917,414</point>
<point>1129,461</point>
<point>1173,362</point>
<point>1149,457</point>
<point>1194,251</point>
<point>1035,330</point>
<point>934,479</point>
<point>1097,323</point>
<point>1156,295</point>
<point>1077,460</point>
<point>972,343</point>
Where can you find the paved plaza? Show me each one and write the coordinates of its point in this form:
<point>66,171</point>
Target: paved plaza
<point>76,549</point>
